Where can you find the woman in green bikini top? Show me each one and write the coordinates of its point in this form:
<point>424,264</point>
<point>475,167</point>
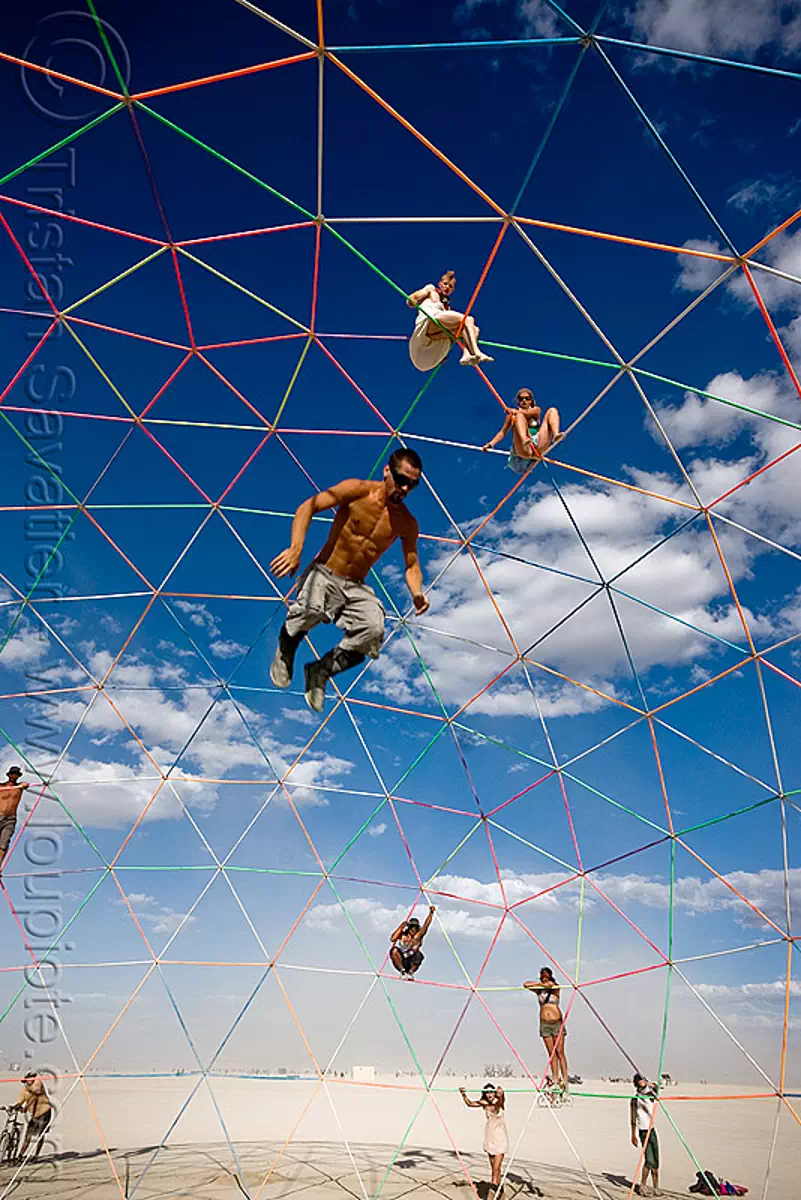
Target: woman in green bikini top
<point>531,436</point>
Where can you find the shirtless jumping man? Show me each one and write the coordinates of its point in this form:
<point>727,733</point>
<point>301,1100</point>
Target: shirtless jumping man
<point>10,796</point>
<point>371,515</point>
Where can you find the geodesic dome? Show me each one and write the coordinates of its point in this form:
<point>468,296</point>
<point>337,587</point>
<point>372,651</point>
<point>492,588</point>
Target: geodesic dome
<point>583,755</point>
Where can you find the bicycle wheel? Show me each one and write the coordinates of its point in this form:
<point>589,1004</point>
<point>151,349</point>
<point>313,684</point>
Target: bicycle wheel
<point>6,1151</point>
<point>13,1144</point>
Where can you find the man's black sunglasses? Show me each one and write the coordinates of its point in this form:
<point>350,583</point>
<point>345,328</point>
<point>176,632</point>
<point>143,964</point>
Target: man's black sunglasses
<point>403,480</point>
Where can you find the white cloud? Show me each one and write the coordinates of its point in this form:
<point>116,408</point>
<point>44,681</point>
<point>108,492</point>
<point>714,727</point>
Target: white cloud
<point>199,615</point>
<point>538,19</point>
<point>28,645</point>
<point>457,916</point>
<point>64,624</point>
<point>780,295</point>
<point>765,889</point>
<point>762,193</point>
<point>377,830</point>
<point>171,648</point>
<point>465,910</point>
<point>774,990</point>
<point>696,274</point>
<point>218,742</point>
<point>784,253</point>
<point>699,421</point>
<point>719,26</point>
<point>535,18</point>
<point>752,1005</point>
<point>160,917</point>
<point>303,716</point>
<point>168,921</point>
<point>227,649</point>
<point>375,917</point>
<point>770,503</point>
<point>619,526</point>
<point>113,794</point>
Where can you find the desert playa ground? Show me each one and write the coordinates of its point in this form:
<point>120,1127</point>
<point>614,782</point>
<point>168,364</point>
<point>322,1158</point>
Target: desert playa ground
<point>295,1137</point>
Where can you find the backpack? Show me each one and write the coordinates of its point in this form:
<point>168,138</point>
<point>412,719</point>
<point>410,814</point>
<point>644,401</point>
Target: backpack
<point>707,1184</point>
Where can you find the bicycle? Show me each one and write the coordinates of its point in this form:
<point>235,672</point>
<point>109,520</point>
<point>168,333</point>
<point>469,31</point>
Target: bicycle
<point>11,1135</point>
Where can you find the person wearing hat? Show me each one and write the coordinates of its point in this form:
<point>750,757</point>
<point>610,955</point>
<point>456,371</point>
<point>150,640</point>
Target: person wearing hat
<point>35,1102</point>
<point>10,796</point>
<point>406,955</point>
<point>496,1138</point>
<point>641,1116</point>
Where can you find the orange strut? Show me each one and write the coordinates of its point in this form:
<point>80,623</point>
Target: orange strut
<point>238,74</point>
<point>628,241</point>
<point>92,87</point>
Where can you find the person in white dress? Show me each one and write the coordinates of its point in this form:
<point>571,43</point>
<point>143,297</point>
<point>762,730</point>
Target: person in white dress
<point>496,1139</point>
<point>437,324</point>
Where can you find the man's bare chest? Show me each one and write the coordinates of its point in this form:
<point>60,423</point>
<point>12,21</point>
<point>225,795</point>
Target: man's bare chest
<point>371,523</point>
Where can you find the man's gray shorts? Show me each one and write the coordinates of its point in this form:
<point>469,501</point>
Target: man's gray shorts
<point>354,607</point>
<point>7,826</point>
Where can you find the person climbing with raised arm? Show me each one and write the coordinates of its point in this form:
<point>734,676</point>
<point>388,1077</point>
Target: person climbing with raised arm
<point>10,796</point>
<point>371,515</point>
<point>406,955</point>
<point>436,326</point>
<point>532,434</point>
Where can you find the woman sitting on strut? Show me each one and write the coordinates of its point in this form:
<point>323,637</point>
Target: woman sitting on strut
<point>532,434</point>
<point>437,324</point>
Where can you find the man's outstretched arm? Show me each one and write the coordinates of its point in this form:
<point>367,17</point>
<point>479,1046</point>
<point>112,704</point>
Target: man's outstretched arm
<point>414,574</point>
<point>426,924</point>
<point>287,562</point>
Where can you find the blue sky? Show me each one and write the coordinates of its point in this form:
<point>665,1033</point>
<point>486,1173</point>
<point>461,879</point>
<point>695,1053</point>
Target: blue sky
<point>640,464</point>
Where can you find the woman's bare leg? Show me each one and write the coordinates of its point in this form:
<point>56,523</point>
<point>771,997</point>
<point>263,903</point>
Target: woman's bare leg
<point>496,1162</point>
<point>521,436</point>
<point>452,322</point>
<point>552,1061</point>
<point>561,1059</point>
<point>468,333</point>
<point>550,432</point>
<point>468,336</point>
